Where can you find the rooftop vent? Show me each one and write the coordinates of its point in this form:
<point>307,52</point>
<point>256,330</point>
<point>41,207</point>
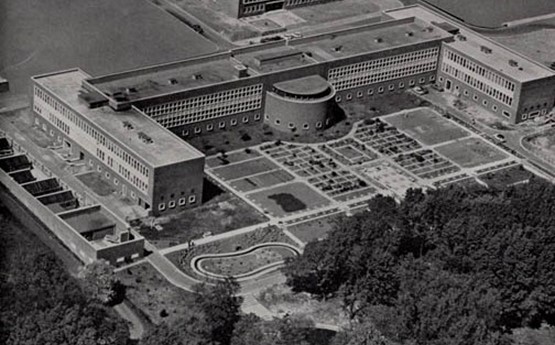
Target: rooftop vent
<point>409,34</point>
<point>119,96</point>
<point>128,125</point>
<point>379,40</point>
<point>197,76</point>
<point>485,49</point>
<point>461,37</point>
<point>513,63</point>
<point>337,49</point>
<point>130,90</point>
<point>145,138</point>
<point>172,81</point>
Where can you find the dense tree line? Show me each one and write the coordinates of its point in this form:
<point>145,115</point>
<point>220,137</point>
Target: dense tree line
<point>450,266</point>
<point>40,303</point>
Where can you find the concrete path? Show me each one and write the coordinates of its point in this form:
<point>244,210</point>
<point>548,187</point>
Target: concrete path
<point>136,327</point>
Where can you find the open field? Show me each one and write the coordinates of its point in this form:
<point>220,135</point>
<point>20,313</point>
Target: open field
<point>506,177</point>
<point>219,213</point>
<point>268,179</point>
<point>289,198</point>
<point>241,169</point>
<point>40,37</point>
<point>313,230</point>
<point>427,126</point>
<point>543,144</point>
<point>471,152</point>
<point>152,294</point>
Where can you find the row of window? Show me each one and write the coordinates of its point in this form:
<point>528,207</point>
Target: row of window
<point>299,2</point>
<point>381,89</point>
<point>181,202</point>
<point>305,126</point>
<point>58,123</point>
<point>379,70</point>
<point>91,132</point>
<point>479,70</point>
<point>476,84</point>
<point>253,8</point>
<point>221,125</point>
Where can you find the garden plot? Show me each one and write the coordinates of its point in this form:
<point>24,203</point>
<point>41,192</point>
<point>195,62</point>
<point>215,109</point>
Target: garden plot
<point>341,185</point>
<point>385,138</point>
<point>287,199</point>
<point>427,126</point>
<point>426,164</point>
<point>471,152</point>
<point>349,152</point>
<point>304,161</point>
<point>389,177</point>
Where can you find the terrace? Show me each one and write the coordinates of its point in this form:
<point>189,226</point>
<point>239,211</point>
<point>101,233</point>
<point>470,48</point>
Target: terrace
<point>43,187</point>
<point>15,163</point>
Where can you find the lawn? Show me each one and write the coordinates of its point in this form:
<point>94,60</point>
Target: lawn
<point>471,152</point>
<point>289,198</point>
<point>96,183</point>
<point>221,212</point>
<point>182,259</point>
<point>245,263</point>
<point>153,295</point>
<point>268,179</point>
<point>315,229</point>
<point>427,126</point>
<point>506,177</point>
<point>242,169</point>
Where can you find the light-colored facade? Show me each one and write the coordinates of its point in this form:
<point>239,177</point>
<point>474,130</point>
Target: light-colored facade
<point>245,8</point>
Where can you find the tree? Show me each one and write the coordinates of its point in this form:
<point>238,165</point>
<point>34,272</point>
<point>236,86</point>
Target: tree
<point>100,281</point>
<point>251,330</point>
<point>220,306</point>
<point>360,333</point>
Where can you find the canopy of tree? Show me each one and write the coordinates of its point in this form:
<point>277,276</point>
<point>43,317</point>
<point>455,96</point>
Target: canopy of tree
<point>450,266</point>
<point>40,303</point>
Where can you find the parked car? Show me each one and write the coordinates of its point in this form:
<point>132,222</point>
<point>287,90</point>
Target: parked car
<point>420,90</point>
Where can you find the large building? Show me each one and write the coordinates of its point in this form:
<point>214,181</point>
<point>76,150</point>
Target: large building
<point>480,70</point>
<point>144,161</point>
<point>245,8</point>
<point>116,122</point>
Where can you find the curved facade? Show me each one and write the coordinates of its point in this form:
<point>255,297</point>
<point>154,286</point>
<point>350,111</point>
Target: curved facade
<point>303,104</point>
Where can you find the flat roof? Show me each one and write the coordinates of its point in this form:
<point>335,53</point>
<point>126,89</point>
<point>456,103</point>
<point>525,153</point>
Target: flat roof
<point>166,79</point>
<point>84,222</point>
<point>498,58</point>
<point>493,13</point>
<point>165,149</point>
<point>332,47</point>
<point>310,85</point>
<point>217,68</point>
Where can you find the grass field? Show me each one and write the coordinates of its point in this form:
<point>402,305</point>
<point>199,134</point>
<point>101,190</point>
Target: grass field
<point>313,229</point>
<point>506,177</point>
<point>268,179</point>
<point>426,126</point>
<point>289,198</point>
<point>100,37</point>
<point>241,169</point>
<point>471,152</point>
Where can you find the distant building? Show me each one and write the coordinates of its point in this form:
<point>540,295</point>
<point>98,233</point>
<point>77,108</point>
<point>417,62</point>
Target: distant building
<point>245,8</point>
<point>487,73</point>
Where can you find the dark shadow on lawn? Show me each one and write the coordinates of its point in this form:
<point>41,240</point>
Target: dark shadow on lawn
<point>210,190</point>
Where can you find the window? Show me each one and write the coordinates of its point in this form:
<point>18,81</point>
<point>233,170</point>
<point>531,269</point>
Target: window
<point>133,195</point>
<point>267,117</point>
<point>116,182</point>
<point>234,122</point>
<point>161,206</point>
<point>318,124</point>
<point>494,107</point>
<point>412,82</point>
<point>506,113</point>
<point>171,204</point>
<point>291,125</point>
<point>256,116</point>
<point>181,201</point>
<point>422,80</point>
<point>277,122</point>
<point>98,168</point>
<point>359,94</point>
<point>380,89</point>
<point>306,126</point>
<point>221,124</point>
<point>391,87</point>
<point>192,199</point>
<point>349,96</point>
<point>51,133</point>
<point>524,116</point>
<point>91,162</point>
<point>466,92</point>
<point>107,175</point>
<point>475,97</point>
<point>197,130</point>
<point>401,85</point>
<point>432,77</point>
<point>534,114</point>
<point>370,92</point>
<point>185,132</point>
<point>245,119</point>
<point>338,99</point>
<point>209,127</point>
<point>441,79</point>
